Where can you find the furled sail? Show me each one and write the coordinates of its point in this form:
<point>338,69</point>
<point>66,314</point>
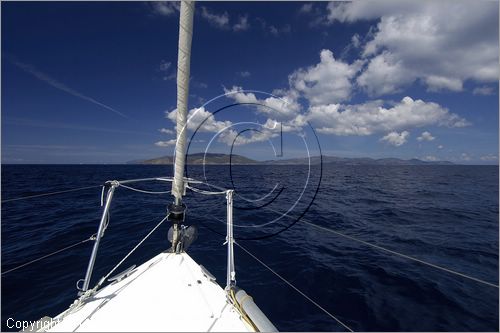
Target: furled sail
<point>183,72</point>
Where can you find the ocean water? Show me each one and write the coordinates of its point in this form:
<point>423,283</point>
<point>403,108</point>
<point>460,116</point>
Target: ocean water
<point>446,215</point>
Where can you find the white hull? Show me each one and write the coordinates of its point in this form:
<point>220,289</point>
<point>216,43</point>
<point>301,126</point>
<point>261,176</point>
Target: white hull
<point>170,292</point>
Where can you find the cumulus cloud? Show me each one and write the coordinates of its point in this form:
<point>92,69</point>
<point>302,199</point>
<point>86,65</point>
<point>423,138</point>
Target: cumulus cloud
<point>165,65</point>
<point>384,74</point>
<point>244,73</point>
<point>168,143</point>
<point>437,83</point>
<point>204,121</point>
<point>201,119</point>
<point>283,107</point>
<point>231,137</point>
<point>306,8</point>
<point>277,31</point>
<point>327,82</point>
<point>489,158</point>
<point>415,43</point>
<point>166,131</point>
<point>431,158</point>
<point>165,68</point>
<point>484,90</point>
<point>372,117</point>
<point>395,138</point>
<point>217,20</point>
<point>465,157</point>
<point>223,21</point>
<point>242,24</point>
<point>165,8</point>
<point>425,136</point>
<point>355,40</point>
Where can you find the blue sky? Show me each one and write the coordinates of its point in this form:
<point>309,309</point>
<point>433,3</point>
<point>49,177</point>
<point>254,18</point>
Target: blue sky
<point>94,82</point>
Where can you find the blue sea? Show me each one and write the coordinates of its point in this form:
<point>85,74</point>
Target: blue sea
<point>445,215</point>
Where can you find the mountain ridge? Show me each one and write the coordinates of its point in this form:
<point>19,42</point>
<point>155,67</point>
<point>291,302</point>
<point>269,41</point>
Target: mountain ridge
<point>223,159</point>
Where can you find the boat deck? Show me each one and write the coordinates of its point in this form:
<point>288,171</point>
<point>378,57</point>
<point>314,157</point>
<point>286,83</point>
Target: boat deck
<point>170,292</point>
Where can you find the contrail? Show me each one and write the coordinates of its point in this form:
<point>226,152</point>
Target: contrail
<point>61,86</point>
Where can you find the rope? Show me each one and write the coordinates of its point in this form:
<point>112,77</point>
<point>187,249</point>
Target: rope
<point>403,255</point>
<point>144,191</point>
<point>50,254</point>
<point>51,193</point>
<point>197,190</point>
<point>295,288</point>
<point>125,258</point>
<point>239,308</point>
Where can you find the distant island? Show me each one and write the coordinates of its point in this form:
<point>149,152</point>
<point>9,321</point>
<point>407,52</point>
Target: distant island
<point>221,159</point>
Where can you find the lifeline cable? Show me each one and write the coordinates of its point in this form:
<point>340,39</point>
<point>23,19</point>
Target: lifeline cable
<point>49,255</point>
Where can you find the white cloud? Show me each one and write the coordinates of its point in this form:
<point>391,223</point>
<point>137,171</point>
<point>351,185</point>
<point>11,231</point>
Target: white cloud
<point>165,68</point>
<point>218,20</point>
<point>168,143</point>
<point>431,158</point>
<point>231,137</point>
<point>441,44</point>
<point>165,65</point>
<point>489,158</point>
<point>437,83</point>
<point>484,90</point>
<point>327,82</point>
<point>202,119</point>
<point>242,24</point>
<point>396,139</point>
<point>355,40</point>
<point>283,107</point>
<point>277,31</point>
<point>373,117</point>
<point>165,8</point>
<point>166,131</point>
<point>384,74</point>
<point>244,74</point>
<point>465,157</point>
<point>306,8</point>
<point>425,136</point>
<point>440,147</point>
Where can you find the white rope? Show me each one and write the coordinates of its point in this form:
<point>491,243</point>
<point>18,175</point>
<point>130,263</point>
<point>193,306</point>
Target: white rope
<point>128,254</point>
<point>143,191</point>
<point>402,255</point>
<point>183,73</point>
<point>295,288</point>
<point>50,254</point>
<point>197,190</point>
<point>51,193</point>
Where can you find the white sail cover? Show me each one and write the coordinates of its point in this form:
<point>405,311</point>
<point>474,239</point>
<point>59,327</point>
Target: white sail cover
<point>183,73</point>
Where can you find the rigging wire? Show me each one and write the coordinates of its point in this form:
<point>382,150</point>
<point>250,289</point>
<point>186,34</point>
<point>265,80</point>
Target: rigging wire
<point>295,288</point>
<point>402,255</point>
<point>144,191</point>
<point>51,193</point>
<point>378,247</point>
<point>128,254</point>
<point>50,254</point>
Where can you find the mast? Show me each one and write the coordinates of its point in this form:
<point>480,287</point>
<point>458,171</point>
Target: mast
<point>177,208</point>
